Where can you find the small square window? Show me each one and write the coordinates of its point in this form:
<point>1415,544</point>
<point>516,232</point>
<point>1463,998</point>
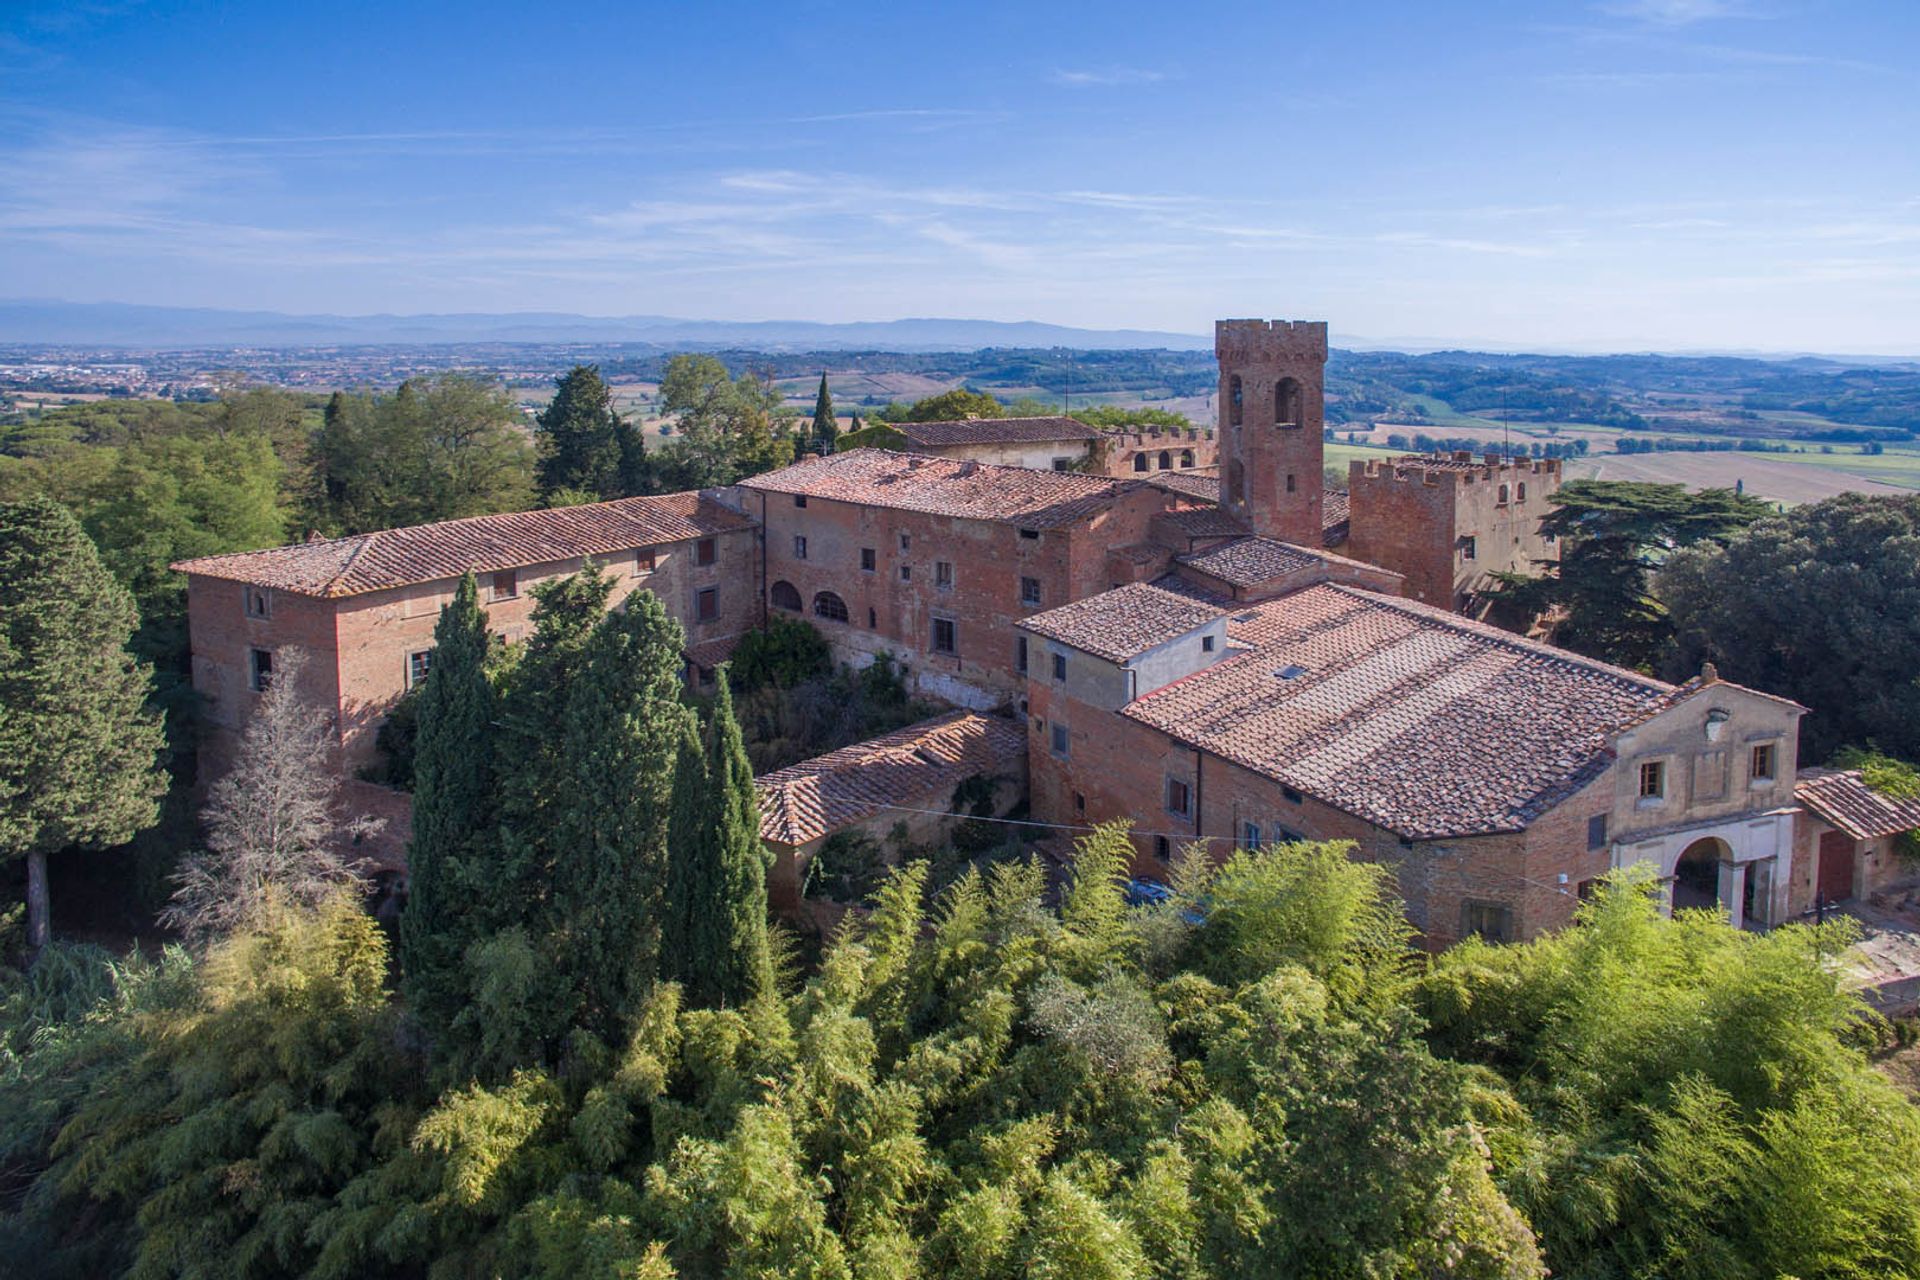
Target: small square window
<point>706,604</point>
<point>1061,741</point>
<point>1469,548</point>
<point>868,559</point>
<point>417,664</point>
<point>703,553</point>
<point>906,573</point>
<point>1206,644</point>
<point>1063,464</point>
<point>944,638</point>
<point>1597,831</point>
<point>1653,780</point>
<point>1059,666</point>
<point>506,584</point>
<point>1761,767</point>
<point>259,669</point>
<point>799,499</point>
<point>799,546</point>
<point>1179,798</point>
<point>259,602</point>
<point>1029,591</point>
<point>643,561</point>
<point>1020,654</point>
<point>1490,920</point>
<point>943,575</point>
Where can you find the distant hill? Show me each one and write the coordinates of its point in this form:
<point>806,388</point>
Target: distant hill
<point>41,321</point>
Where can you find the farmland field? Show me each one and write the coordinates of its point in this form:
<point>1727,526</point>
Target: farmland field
<point>1793,478</point>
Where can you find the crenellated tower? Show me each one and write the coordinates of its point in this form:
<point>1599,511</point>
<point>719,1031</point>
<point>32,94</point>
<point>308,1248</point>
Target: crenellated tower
<point>1272,406</point>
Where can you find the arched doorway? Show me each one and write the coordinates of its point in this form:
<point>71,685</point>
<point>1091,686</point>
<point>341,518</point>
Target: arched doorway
<point>1696,877</point>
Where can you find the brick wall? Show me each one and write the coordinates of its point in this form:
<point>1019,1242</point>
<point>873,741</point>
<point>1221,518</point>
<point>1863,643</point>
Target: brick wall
<point>1136,454</point>
<point>1259,453</point>
<point>1417,520</point>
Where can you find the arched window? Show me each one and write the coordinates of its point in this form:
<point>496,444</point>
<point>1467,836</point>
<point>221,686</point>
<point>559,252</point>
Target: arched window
<point>1166,460</point>
<point>1233,400</point>
<point>1139,462</point>
<point>830,606</point>
<point>1504,493</point>
<point>785,596</point>
<point>1186,457</point>
<point>1286,403</point>
<point>1520,491</point>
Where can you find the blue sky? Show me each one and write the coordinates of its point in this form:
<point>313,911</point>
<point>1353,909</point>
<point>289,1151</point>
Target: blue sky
<point>1621,174</point>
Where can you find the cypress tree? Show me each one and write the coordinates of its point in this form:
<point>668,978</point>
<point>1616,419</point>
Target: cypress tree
<point>453,803</point>
<point>825,430</point>
<point>728,955</point>
<point>579,435</point>
<point>623,728</point>
<point>688,856</point>
<point>78,746</point>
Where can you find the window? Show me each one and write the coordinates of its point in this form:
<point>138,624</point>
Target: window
<point>1206,644</point>
<point>1186,457</point>
<point>944,638</point>
<point>1520,491</point>
<point>799,499</point>
<point>1139,462</point>
<point>259,602</point>
<point>1505,496</point>
<point>1291,486</point>
<point>830,606</point>
<point>1469,547</point>
<point>1029,591</point>
<point>259,669</point>
<point>1059,666</point>
<point>506,584</point>
<point>873,620</point>
<point>643,561</point>
<point>417,664</point>
<point>703,551</point>
<point>799,546</point>
<point>869,559</point>
<point>1079,803</point>
<point>1031,535</point>
<point>943,575</point>
<point>906,542</point>
<point>1166,460</point>
<point>1760,766</point>
<point>1250,835</point>
<point>706,604</point>
<point>785,596</point>
<point>1291,794</point>
<point>1286,403</point>
<point>1020,654</point>
<point>1235,400</point>
<point>1179,798</point>
<point>1653,780</point>
<point>1597,831</point>
<point>1061,743</point>
<point>906,573</point>
<point>1490,920</point>
<point>1163,848</point>
<point>1063,464</point>
<point>1289,836</point>
<point>1586,889</point>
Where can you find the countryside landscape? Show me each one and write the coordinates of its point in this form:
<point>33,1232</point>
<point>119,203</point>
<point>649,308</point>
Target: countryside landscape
<point>1077,642</point>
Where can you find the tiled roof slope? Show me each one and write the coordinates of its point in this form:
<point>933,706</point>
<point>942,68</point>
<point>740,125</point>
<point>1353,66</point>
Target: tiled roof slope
<point>948,487</point>
<point>1414,719</point>
<point>808,800</point>
<point>1203,484</point>
<point>934,435</point>
<point>430,552</point>
<point>1250,561</point>
<point>1843,798</point>
<point>1125,621</point>
<point>1336,505</point>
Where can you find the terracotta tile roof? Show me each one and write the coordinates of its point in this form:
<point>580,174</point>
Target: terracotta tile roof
<point>430,552</point>
<point>1419,721</point>
<point>1250,561</point>
<point>1204,485</point>
<point>938,486</point>
<point>916,767</point>
<point>934,435</point>
<point>1336,510</point>
<point>1206,522</point>
<point>1843,798</point>
<point>1128,620</point>
<point>1336,517</point>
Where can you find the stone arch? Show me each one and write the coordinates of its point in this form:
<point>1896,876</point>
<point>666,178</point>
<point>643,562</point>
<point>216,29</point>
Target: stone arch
<point>1166,460</point>
<point>785,595</point>
<point>830,606</point>
<point>1235,400</point>
<point>1288,403</point>
<point>1696,874</point>
<point>1186,457</point>
<point>1139,462</point>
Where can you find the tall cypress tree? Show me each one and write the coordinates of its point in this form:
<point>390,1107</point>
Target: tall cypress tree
<point>453,806</point>
<point>726,960</point>
<point>580,437</point>
<point>825,430</point>
<point>688,857</point>
<point>78,746</point>
<point>623,728</point>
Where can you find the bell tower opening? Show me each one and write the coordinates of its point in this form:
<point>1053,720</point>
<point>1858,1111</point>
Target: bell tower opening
<point>1273,467</point>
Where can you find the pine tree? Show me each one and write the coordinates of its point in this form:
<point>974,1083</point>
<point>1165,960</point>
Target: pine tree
<point>579,433</point>
<point>78,745</point>
<point>623,727</point>
<point>720,872</point>
<point>453,803</point>
<point>825,431</point>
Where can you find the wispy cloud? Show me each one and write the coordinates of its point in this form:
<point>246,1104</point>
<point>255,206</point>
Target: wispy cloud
<point>1088,78</point>
<point>1679,13</point>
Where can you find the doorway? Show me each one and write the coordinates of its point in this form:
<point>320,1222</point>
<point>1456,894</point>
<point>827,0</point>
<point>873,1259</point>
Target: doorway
<point>1836,865</point>
<point>1696,877</point>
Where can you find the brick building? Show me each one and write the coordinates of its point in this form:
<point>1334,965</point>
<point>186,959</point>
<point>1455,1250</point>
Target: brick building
<point>363,608</point>
<point>1063,444</point>
<point>1846,840</point>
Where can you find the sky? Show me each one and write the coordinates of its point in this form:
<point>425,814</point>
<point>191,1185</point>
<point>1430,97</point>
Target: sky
<point>1609,175</point>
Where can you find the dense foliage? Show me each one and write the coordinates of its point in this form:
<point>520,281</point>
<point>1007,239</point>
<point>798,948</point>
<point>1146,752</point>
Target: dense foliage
<point>588,452</point>
<point>725,428</point>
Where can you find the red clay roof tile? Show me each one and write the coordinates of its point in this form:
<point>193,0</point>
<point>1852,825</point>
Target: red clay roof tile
<point>934,435</point>
<point>948,487</point>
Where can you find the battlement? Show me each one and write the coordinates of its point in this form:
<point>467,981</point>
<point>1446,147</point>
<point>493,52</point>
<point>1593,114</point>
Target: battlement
<point>1263,340</point>
<point>1458,468</point>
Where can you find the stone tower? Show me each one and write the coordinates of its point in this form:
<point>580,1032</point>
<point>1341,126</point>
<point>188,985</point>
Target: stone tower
<point>1272,386</point>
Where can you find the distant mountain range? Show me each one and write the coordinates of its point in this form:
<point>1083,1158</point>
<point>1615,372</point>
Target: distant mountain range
<point>39,321</point>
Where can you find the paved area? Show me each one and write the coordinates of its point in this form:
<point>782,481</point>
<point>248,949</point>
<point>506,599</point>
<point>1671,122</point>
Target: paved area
<point>1885,964</point>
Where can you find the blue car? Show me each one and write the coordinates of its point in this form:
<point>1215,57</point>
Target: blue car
<point>1147,893</point>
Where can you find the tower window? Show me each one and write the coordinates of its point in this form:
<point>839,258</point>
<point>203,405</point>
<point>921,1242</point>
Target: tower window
<point>1520,492</point>
<point>1290,484</point>
<point>1234,400</point>
<point>1287,403</point>
<point>1505,495</point>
